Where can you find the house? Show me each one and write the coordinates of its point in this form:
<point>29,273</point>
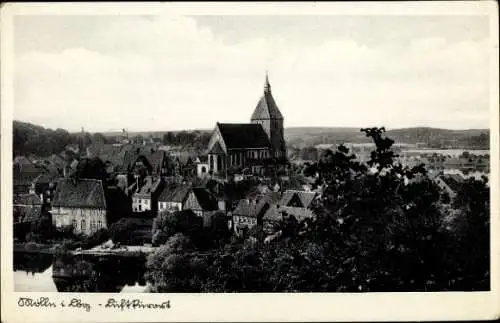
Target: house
<point>293,203</point>
<point>44,186</point>
<point>80,203</point>
<point>26,208</point>
<point>234,146</point>
<point>248,213</point>
<point>173,197</point>
<point>24,174</point>
<point>201,166</point>
<point>203,203</point>
<point>155,161</point>
<point>158,161</point>
<point>145,198</point>
<point>251,209</point>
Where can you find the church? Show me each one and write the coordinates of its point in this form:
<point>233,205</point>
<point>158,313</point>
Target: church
<point>239,146</point>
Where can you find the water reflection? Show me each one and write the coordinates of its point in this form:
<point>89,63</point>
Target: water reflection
<point>89,274</point>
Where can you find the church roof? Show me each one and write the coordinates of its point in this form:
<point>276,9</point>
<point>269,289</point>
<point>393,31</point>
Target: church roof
<point>266,107</point>
<point>243,135</point>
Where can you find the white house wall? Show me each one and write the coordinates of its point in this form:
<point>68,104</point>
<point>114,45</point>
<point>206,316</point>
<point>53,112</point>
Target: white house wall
<point>84,220</point>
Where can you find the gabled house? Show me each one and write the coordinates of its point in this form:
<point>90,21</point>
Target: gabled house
<point>248,213</point>
<point>158,161</point>
<point>145,198</point>
<point>293,203</point>
<point>173,197</point>
<point>24,173</point>
<point>27,208</point>
<point>80,203</point>
<point>251,209</point>
<point>203,203</point>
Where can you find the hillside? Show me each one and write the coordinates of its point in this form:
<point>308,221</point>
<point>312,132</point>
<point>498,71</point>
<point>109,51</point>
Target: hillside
<point>31,139</point>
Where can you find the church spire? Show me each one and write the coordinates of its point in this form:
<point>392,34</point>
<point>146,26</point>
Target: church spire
<point>267,86</point>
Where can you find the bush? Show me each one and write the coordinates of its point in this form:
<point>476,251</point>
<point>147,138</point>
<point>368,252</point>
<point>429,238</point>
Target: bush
<point>167,224</point>
<point>131,231</point>
<point>97,238</point>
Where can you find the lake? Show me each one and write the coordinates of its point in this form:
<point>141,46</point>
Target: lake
<point>42,273</point>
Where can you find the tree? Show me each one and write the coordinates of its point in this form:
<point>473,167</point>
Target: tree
<point>167,224</point>
<point>91,168</point>
<point>379,227</point>
<point>471,247</point>
<point>174,267</point>
<point>169,138</point>
<point>124,231</point>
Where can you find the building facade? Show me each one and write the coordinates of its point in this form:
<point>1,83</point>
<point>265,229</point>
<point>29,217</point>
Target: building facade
<point>81,204</point>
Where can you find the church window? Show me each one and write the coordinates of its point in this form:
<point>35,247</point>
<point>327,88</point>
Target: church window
<point>83,224</point>
<point>219,162</point>
<point>211,162</point>
<point>203,169</point>
<point>99,224</point>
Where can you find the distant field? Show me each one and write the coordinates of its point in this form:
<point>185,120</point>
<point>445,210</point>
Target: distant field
<point>306,136</point>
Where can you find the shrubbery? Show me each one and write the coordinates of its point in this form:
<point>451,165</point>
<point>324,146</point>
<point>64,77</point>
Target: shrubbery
<point>131,231</point>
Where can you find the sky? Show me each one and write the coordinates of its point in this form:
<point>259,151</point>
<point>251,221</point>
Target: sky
<point>157,73</point>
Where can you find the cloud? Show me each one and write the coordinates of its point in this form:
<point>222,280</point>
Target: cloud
<point>172,73</point>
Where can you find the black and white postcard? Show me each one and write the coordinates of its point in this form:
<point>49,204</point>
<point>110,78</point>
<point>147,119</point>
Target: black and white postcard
<point>249,161</point>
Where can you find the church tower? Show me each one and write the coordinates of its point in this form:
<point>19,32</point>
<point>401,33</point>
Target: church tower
<point>268,115</point>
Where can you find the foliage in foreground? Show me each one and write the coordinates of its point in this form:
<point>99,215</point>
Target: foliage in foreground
<point>379,227</point>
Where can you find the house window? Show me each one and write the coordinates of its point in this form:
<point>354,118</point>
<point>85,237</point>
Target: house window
<point>203,169</point>
<point>73,224</point>
<point>140,207</point>
<point>146,202</point>
<point>83,224</point>
<point>99,224</point>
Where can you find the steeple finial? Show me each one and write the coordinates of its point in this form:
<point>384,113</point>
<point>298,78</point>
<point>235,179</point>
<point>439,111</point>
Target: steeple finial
<point>267,86</point>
